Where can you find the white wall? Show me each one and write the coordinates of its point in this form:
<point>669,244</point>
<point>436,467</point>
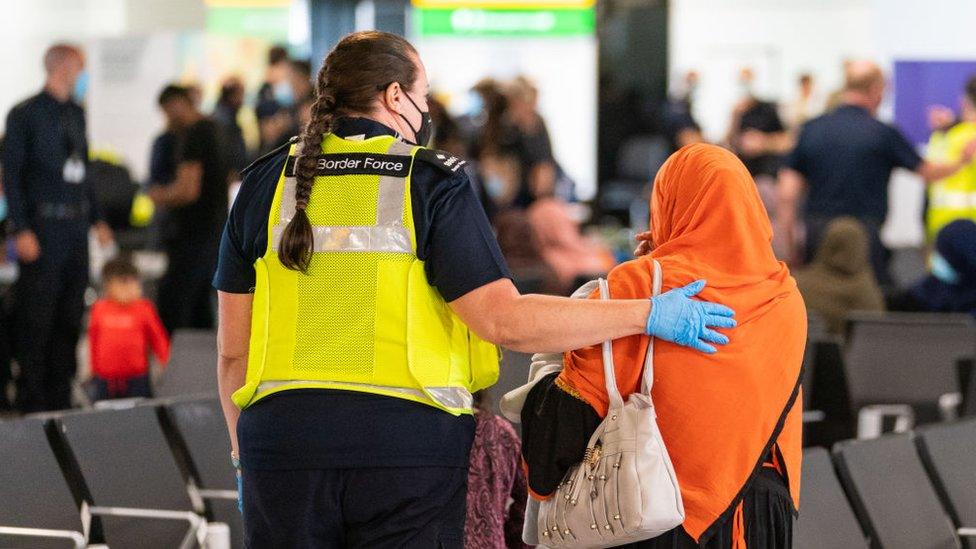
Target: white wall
<point>778,38</point>
<point>782,38</point>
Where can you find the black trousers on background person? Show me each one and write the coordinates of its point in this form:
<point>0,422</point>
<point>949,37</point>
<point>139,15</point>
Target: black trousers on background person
<point>185,297</point>
<point>49,306</point>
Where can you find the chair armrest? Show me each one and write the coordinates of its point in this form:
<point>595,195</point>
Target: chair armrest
<point>813,416</point>
<point>218,494</point>
<point>198,526</point>
<point>76,537</point>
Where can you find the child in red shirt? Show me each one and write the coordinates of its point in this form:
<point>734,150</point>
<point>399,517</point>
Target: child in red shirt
<point>122,329</point>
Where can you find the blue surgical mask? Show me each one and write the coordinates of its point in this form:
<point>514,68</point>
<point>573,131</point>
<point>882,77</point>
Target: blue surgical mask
<point>495,186</point>
<point>476,104</point>
<point>942,270</point>
<point>284,94</point>
<point>81,87</point>
<point>3,208</point>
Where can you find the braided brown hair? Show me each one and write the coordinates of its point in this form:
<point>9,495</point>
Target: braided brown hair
<point>359,67</point>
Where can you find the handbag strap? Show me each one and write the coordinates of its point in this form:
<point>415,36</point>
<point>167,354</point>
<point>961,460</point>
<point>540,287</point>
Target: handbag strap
<point>609,374</point>
<point>647,380</point>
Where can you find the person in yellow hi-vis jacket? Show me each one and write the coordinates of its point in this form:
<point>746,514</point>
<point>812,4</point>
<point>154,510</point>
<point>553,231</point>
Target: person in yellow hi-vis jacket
<point>362,294</point>
<point>953,197</point>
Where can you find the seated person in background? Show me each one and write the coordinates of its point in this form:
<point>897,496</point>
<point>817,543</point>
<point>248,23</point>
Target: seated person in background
<point>840,279</point>
<point>562,247</point>
<point>122,330</point>
<point>951,286</point>
<point>495,478</point>
<point>731,421</point>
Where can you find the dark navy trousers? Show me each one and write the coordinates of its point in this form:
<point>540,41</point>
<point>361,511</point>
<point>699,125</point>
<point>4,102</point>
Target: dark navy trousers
<point>376,508</point>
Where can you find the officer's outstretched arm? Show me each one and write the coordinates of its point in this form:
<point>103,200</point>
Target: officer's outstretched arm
<point>538,323</point>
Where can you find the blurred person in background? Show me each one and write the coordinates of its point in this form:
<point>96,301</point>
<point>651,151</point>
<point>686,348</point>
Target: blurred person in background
<point>483,98</point>
<point>807,103</point>
<point>836,97</point>
<point>951,285</point>
<point>276,74</point>
<point>276,100</point>
<point>497,162</point>
<point>6,317</point>
<point>953,197</point>
<point>52,206</point>
<point>756,133</point>
<point>196,204</point>
<point>842,164</point>
<point>680,125</point>
<point>300,80</point>
<point>229,104</point>
<point>840,278</point>
<point>497,490</point>
<point>572,256</point>
<point>530,142</point>
<point>122,331</point>
<point>447,134</point>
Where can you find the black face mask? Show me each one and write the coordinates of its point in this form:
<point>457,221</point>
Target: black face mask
<point>426,129</point>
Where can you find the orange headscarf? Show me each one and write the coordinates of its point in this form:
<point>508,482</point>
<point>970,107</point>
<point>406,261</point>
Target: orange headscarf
<point>718,413</point>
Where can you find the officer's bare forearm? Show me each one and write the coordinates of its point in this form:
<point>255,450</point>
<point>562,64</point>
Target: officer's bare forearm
<point>538,323</point>
<point>541,323</point>
<point>231,373</point>
<point>233,341</point>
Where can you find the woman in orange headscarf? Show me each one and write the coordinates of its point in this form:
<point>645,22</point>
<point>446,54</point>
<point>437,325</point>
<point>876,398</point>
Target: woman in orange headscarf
<point>731,420</point>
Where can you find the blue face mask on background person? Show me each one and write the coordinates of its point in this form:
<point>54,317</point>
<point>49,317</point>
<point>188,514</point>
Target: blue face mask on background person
<point>80,90</point>
<point>495,186</point>
<point>476,105</point>
<point>942,270</point>
<point>284,94</point>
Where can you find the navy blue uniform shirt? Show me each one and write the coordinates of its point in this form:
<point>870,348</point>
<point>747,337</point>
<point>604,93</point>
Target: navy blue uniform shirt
<point>342,429</point>
<point>42,135</point>
<point>847,157</point>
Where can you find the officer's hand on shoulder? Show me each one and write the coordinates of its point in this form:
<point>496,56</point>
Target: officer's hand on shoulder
<point>27,247</point>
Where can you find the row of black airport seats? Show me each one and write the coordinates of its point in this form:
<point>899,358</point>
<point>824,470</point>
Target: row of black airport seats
<point>913,490</point>
<point>154,474</point>
<point>891,370</point>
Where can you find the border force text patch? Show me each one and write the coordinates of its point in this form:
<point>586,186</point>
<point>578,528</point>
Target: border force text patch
<point>356,164</point>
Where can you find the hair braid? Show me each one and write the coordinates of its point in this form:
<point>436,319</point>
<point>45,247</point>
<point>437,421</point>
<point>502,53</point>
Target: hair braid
<point>297,239</point>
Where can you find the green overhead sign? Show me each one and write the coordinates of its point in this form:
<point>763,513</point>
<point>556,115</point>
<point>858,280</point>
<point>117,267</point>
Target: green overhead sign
<point>270,23</point>
<point>472,21</point>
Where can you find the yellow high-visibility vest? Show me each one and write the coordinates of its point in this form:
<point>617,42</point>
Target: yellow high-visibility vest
<point>954,197</point>
<point>364,318</point>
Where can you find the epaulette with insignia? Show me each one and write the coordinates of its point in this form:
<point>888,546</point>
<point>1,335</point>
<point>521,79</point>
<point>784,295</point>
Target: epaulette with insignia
<point>269,154</point>
<point>445,161</point>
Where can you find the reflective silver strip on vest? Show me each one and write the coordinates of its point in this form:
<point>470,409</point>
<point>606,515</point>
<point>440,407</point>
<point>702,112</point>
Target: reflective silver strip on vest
<point>956,200</point>
<point>448,397</point>
<point>354,239</point>
<point>387,236</point>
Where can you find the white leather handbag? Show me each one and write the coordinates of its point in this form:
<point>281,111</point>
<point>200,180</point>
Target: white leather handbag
<point>625,489</point>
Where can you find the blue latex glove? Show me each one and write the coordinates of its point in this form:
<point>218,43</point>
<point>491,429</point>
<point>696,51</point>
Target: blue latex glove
<point>240,492</point>
<point>678,318</point>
